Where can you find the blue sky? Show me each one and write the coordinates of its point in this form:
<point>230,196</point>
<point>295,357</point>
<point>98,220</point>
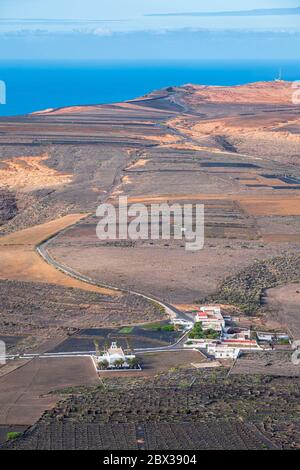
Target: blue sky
<point>103,29</point>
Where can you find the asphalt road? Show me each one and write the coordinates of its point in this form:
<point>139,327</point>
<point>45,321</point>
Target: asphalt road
<point>171,311</point>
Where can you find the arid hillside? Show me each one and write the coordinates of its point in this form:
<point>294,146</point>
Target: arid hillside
<point>58,161</point>
<point>236,150</point>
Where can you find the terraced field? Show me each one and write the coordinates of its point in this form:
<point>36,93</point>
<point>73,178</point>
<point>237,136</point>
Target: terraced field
<point>215,436</point>
<point>176,410</point>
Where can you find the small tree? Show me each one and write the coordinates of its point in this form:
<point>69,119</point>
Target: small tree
<point>197,331</point>
<point>119,363</point>
<point>103,365</point>
<point>97,348</point>
<point>133,363</point>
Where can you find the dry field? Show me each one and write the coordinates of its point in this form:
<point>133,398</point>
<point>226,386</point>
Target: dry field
<point>154,363</point>
<point>20,261</point>
<point>278,364</point>
<point>135,265</point>
<point>284,305</point>
<point>24,393</point>
<point>32,313</point>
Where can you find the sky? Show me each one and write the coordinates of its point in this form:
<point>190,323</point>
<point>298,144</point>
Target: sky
<point>148,29</point>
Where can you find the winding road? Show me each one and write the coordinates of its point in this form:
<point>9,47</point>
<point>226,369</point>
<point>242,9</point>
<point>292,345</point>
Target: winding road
<point>42,250</point>
<point>171,311</point>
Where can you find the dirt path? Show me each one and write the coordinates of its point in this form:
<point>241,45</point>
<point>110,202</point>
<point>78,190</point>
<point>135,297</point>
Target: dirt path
<point>20,261</point>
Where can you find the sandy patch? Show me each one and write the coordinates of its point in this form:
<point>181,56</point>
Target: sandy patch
<point>21,262</point>
<point>271,206</point>
<point>187,307</point>
<point>174,197</point>
<point>263,181</point>
<point>162,139</point>
<point>30,173</point>
<point>44,111</point>
<point>281,238</point>
<point>67,110</point>
<point>235,129</point>
<point>126,180</point>
<point>256,93</point>
<point>138,164</point>
<point>206,365</point>
<point>193,147</point>
<point>130,105</point>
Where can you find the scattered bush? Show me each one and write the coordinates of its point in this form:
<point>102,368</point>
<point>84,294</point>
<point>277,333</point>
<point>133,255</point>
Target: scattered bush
<point>245,289</point>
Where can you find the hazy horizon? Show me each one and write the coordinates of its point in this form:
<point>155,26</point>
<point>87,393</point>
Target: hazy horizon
<point>150,30</point>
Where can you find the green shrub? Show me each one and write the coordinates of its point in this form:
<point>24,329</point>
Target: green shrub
<point>168,328</point>
<point>283,341</point>
<point>126,330</point>
<point>103,365</point>
<point>198,333</point>
<point>13,435</point>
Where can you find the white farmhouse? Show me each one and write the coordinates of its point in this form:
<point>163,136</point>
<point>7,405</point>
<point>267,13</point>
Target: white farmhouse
<point>114,354</point>
<point>186,324</point>
<point>266,337</point>
<point>223,352</point>
<point>211,318</point>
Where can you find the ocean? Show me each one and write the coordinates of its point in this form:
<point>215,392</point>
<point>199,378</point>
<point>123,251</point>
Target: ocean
<point>33,86</point>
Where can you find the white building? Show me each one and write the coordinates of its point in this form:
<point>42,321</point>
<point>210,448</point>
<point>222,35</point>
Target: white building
<point>241,334</point>
<point>266,337</point>
<point>211,318</point>
<point>114,354</point>
<point>187,325</point>
<point>199,343</point>
<point>223,352</point>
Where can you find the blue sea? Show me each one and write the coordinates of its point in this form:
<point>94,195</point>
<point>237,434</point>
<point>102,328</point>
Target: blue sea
<point>33,86</point>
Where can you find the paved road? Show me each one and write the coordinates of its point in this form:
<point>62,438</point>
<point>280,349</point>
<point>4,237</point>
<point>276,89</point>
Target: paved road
<point>171,311</point>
